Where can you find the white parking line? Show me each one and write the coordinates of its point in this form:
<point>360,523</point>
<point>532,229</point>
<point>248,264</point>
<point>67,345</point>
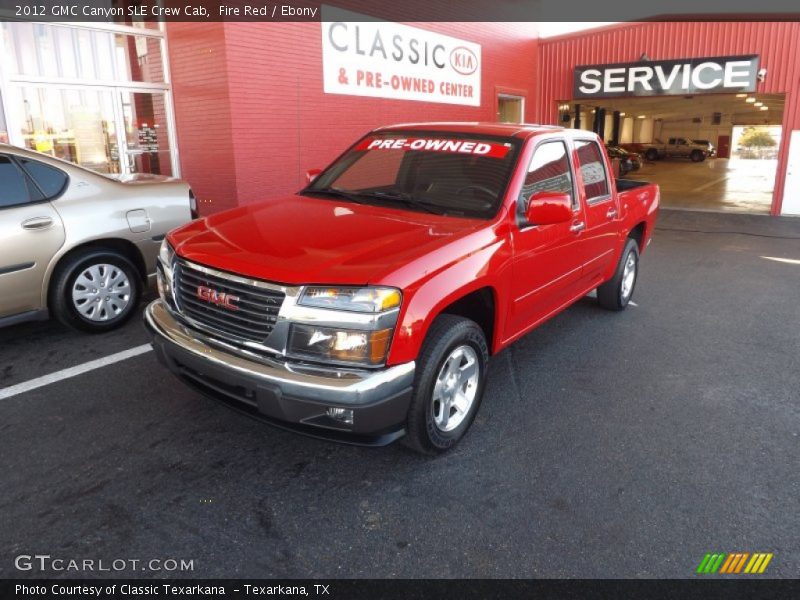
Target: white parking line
<point>32,384</point>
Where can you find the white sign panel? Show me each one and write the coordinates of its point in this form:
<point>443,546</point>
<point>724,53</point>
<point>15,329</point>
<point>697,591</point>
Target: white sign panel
<point>389,60</point>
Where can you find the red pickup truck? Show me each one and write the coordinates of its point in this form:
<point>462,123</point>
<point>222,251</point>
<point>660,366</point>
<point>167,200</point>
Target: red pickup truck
<point>365,307</point>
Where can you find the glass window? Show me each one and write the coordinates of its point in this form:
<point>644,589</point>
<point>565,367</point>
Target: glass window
<point>3,125</point>
<point>593,171</point>
<point>548,172</point>
<point>13,186</point>
<point>75,125</point>
<point>49,179</point>
<point>60,52</point>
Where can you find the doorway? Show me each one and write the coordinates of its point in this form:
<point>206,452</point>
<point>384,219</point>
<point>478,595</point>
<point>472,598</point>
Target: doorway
<point>510,109</point>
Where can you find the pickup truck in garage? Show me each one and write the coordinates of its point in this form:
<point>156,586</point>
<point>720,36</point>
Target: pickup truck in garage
<point>364,308</point>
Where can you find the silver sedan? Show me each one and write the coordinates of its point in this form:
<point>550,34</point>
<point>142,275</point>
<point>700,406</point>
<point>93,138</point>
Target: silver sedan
<point>77,244</point>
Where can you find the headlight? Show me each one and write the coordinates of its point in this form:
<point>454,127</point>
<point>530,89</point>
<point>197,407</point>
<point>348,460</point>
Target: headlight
<point>341,345</point>
<point>166,254</point>
<point>370,300</point>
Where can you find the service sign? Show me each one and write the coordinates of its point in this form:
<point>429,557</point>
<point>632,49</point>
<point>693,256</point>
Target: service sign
<point>726,74</point>
<point>388,60</point>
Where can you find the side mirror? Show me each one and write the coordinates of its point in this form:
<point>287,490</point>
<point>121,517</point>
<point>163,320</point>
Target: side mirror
<point>311,174</point>
<point>547,208</point>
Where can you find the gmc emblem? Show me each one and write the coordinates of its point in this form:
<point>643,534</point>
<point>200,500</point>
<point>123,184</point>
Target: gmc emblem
<point>212,296</point>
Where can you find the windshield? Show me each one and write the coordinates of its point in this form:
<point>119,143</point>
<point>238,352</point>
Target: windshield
<point>444,173</point>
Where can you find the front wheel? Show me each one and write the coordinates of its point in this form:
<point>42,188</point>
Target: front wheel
<point>651,154</point>
<point>451,377</point>
<point>697,156</point>
<point>616,293</point>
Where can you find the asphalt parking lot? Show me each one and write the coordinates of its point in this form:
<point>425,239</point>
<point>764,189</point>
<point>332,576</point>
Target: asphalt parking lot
<point>608,445</point>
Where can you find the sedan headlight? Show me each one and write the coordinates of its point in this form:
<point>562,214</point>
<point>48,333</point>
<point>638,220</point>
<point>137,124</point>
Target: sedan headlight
<point>329,344</point>
<point>166,254</point>
<point>367,299</point>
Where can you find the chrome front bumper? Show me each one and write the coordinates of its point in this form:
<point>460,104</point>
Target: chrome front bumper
<point>288,392</point>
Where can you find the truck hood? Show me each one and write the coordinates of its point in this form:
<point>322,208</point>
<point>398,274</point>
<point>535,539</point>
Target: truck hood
<point>300,240</point>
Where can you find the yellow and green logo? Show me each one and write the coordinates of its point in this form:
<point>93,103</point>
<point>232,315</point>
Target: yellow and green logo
<point>734,562</point>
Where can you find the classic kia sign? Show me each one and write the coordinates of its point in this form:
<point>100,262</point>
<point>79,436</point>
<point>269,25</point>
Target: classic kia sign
<point>388,60</point>
<point>667,77</point>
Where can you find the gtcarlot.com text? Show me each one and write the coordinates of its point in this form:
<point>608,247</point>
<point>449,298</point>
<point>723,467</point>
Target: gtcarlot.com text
<point>46,563</point>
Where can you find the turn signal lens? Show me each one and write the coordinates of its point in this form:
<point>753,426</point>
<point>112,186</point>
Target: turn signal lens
<point>368,299</point>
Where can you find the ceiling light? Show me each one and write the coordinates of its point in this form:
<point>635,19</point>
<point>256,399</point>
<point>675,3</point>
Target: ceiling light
<point>622,114</point>
<point>642,117</point>
<point>750,99</point>
<point>765,108</point>
<point>759,104</point>
<point>741,95</point>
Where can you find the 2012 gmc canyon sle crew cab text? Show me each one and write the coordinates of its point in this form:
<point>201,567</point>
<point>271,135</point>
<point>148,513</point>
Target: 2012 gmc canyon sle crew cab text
<point>366,306</point>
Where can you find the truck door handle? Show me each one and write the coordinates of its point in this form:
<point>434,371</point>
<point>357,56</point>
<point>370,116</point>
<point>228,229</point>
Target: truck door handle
<point>37,223</point>
<point>612,212</point>
<point>579,226</point>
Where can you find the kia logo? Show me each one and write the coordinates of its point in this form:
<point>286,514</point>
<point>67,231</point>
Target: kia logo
<point>463,60</point>
<point>212,296</point>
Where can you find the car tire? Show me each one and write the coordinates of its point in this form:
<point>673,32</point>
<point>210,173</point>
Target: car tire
<point>616,293</point>
<point>651,154</point>
<point>697,156</point>
<point>79,297</point>
<point>446,394</point>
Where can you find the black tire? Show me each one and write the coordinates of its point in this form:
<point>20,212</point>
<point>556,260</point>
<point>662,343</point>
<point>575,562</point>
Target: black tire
<point>611,295</point>
<point>447,334</point>
<point>61,302</point>
<point>697,156</point>
<point>651,154</point>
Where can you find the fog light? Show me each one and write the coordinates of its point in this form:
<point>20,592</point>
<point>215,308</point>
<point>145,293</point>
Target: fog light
<point>344,415</point>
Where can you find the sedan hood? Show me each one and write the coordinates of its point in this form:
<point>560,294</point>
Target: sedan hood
<point>301,240</point>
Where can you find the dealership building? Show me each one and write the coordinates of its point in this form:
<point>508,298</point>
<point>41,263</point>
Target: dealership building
<point>242,110</point>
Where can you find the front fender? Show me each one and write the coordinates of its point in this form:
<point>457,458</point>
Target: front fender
<point>487,267</point>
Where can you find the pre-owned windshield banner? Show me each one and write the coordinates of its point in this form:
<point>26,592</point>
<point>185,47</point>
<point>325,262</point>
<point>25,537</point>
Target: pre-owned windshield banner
<point>436,144</point>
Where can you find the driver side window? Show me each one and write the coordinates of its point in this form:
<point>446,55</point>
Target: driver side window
<point>549,171</point>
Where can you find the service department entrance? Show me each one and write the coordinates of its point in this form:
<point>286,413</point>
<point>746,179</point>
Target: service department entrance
<point>99,98</point>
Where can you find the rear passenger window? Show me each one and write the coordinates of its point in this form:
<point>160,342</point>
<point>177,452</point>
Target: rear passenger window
<point>593,170</point>
<point>14,187</point>
<point>49,179</point>
<point>548,172</point>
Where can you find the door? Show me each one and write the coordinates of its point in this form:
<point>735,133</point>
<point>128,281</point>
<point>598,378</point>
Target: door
<point>547,261</point>
<point>791,187</point>
<point>601,211</point>
<point>31,232</point>
<point>724,146</point>
<point>510,108</point>
<point>146,143</point>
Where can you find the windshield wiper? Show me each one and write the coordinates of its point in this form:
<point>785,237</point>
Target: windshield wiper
<point>329,191</point>
<point>406,199</point>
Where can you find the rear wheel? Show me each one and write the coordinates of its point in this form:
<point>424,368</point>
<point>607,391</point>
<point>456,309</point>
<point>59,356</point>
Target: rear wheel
<point>451,377</point>
<point>616,293</point>
<point>95,291</point>
<point>651,154</point>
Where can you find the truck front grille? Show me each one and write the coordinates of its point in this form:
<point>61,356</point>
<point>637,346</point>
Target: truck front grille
<point>236,309</point>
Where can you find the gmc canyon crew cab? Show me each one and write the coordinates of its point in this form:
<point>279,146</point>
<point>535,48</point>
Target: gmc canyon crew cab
<point>365,307</point>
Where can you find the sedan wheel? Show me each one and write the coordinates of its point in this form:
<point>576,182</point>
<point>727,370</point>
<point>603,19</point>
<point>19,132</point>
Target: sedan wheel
<point>101,292</point>
<point>95,290</point>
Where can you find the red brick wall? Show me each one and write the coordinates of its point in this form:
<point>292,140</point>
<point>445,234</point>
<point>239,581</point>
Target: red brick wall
<point>267,92</point>
<point>199,75</point>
